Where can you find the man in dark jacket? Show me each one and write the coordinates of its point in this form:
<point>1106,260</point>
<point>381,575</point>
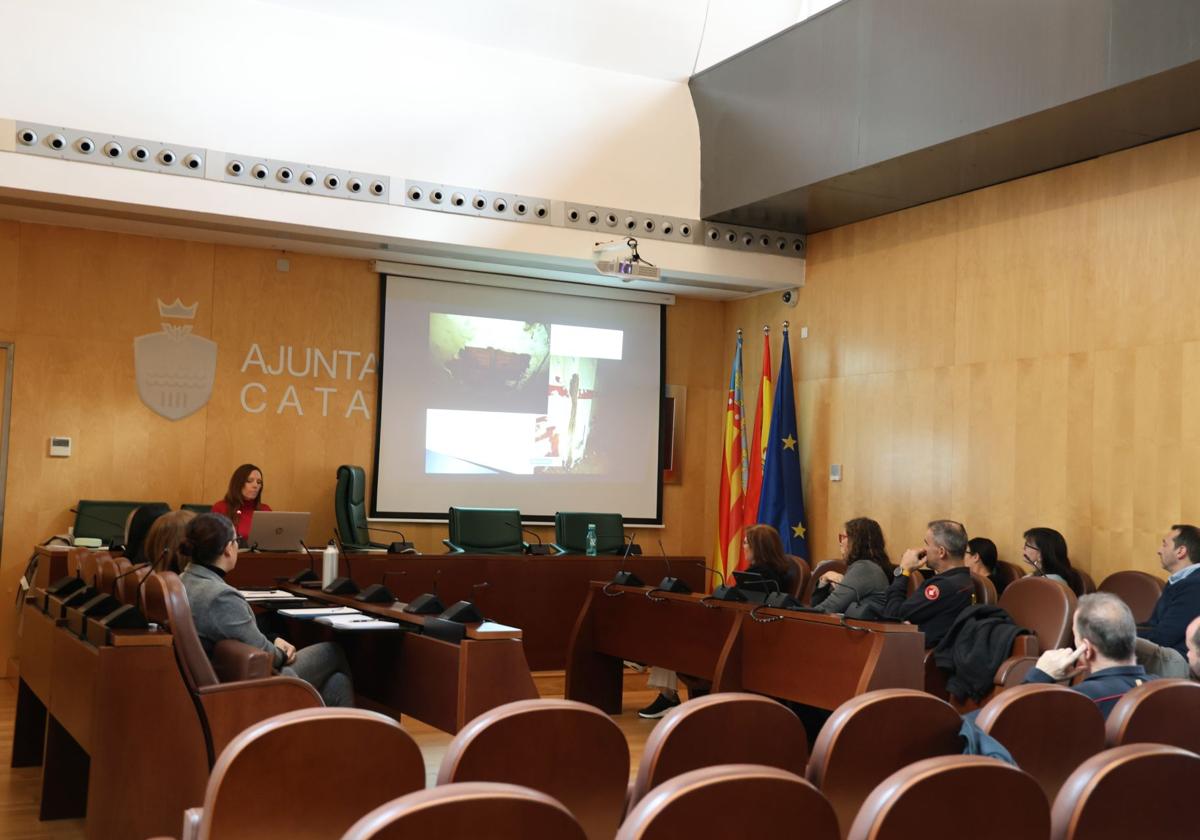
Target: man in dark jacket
<point>935,605</point>
<point>1180,599</point>
<point>1104,634</point>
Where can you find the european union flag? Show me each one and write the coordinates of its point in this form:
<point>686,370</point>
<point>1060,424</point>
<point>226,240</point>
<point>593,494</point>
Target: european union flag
<point>782,502</point>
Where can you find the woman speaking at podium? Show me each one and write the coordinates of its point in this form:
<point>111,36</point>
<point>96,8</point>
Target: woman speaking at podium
<point>243,497</point>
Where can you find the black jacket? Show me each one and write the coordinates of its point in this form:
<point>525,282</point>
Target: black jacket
<point>978,642</point>
<point>935,605</point>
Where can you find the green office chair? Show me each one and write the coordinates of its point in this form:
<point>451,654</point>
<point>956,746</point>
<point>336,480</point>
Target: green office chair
<point>350,509</point>
<point>485,531</point>
<point>570,532</point>
<point>104,519</point>
<point>197,508</point>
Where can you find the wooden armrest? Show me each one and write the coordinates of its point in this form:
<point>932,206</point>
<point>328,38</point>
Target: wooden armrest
<point>231,707</point>
<point>1026,646</point>
<point>235,661</point>
<point>1012,671</point>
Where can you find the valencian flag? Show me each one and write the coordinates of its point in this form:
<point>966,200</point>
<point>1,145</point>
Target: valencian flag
<point>782,502</point>
<point>758,443</point>
<point>731,504</point>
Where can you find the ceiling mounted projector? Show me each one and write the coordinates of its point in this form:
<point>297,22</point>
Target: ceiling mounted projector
<point>621,259</point>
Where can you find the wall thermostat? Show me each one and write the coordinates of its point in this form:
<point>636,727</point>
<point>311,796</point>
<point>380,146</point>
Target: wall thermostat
<point>835,472</point>
<point>60,447</point>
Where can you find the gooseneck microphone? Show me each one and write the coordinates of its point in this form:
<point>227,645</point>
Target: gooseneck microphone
<point>465,612</point>
<point>342,585</point>
<point>305,575</point>
<point>130,616</point>
<point>401,547</point>
<point>428,603</point>
<point>378,593</point>
<point>540,549</point>
<point>623,577</point>
<point>670,583</point>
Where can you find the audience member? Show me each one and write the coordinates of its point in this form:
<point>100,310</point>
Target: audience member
<point>983,560</point>
<point>220,612</point>
<point>1180,599</point>
<point>242,498</point>
<point>1104,636</point>
<point>1193,648</point>
<point>139,525</point>
<point>1046,551</point>
<point>162,541</point>
<point>935,605</point>
<point>764,556</point>
<point>859,592</point>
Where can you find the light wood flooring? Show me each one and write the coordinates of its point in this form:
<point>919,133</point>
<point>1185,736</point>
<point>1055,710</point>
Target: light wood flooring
<point>19,788</point>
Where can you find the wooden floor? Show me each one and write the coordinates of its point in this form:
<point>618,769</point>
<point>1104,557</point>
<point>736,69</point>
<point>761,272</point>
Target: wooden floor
<point>19,789</point>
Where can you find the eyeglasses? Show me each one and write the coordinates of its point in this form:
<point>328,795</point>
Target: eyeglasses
<point>843,536</point>
<point>1032,547</point>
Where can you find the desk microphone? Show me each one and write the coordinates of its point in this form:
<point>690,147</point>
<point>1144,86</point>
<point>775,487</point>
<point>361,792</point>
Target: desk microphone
<point>129,616</point>
<point>341,585</point>
<point>623,577</point>
<point>428,603</point>
<point>304,575</point>
<point>633,547</point>
<point>671,583</point>
<point>402,547</point>
<point>378,593</point>
<point>541,549</point>
<point>465,612</point>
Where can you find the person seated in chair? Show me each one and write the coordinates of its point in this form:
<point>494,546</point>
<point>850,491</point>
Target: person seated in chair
<point>935,605</point>
<point>859,593</point>
<point>1046,553</point>
<point>220,612</point>
<point>1105,634</point>
<point>984,561</point>
<point>1180,599</point>
<point>242,498</point>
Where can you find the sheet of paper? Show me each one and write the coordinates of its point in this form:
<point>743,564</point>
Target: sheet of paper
<point>357,622</point>
<point>267,594</point>
<point>494,627</point>
<point>313,612</point>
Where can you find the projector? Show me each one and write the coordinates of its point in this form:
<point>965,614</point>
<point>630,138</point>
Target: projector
<point>621,259</point>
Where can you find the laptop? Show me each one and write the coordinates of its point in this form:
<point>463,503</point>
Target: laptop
<point>278,530</point>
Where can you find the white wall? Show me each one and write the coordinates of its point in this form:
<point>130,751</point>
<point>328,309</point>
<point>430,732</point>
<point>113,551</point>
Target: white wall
<point>259,78</point>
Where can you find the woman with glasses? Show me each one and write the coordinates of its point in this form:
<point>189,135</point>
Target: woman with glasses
<point>220,612</point>
<point>1046,552</point>
<point>983,560</point>
<point>860,591</point>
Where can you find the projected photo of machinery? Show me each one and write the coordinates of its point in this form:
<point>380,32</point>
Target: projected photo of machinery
<point>514,397</point>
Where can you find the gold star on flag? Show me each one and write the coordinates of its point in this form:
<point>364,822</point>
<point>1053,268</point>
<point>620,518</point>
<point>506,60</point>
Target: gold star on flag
<point>798,530</point>
<point>789,442</point>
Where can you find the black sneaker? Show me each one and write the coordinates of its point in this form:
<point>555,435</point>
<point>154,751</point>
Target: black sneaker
<point>661,705</point>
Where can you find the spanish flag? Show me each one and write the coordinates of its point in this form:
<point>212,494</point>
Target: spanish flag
<point>731,504</point>
<point>762,434</point>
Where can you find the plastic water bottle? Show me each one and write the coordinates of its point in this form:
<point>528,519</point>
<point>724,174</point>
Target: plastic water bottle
<point>591,539</point>
<point>329,564</point>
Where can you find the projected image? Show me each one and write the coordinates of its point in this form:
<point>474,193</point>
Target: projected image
<point>463,441</point>
<point>501,361</point>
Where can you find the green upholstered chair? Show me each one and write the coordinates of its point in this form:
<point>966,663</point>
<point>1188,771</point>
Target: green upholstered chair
<point>201,508</point>
<point>350,508</point>
<point>485,531</point>
<point>104,519</point>
<point>570,532</point>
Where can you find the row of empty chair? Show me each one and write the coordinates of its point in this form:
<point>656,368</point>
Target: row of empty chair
<point>717,769</point>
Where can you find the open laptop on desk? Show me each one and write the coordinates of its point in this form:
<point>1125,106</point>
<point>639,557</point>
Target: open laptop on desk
<point>278,530</point>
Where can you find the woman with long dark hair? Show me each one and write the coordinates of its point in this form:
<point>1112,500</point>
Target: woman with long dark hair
<point>764,554</point>
<point>983,560</point>
<point>220,612</point>
<point>860,591</point>
<point>243,497</point>
<point>1046,552</point>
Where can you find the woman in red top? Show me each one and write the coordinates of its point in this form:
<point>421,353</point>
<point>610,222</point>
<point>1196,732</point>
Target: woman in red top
<point>243,497</point>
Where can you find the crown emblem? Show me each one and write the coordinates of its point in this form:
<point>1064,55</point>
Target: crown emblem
<point>177,310</point>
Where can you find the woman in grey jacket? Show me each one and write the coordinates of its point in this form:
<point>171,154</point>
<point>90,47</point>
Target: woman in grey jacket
<point>220,612</point>
<point>860,591</point>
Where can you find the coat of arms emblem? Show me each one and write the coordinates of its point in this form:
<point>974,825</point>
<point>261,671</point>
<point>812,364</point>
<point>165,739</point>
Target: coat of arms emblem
<point>175,369</point>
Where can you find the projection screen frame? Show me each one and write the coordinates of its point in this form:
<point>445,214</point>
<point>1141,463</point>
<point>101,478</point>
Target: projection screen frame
<point>431,517</point>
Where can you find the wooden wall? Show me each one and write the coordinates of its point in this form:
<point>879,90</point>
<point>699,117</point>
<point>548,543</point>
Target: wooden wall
<point>73,301</point>
<point>1023,355</point>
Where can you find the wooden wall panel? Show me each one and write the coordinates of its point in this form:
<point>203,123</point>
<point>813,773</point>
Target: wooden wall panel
<point>1023,355</point>
<point>10,237</point>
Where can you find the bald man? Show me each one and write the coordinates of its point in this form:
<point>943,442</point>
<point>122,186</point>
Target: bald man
<point>1105,633</point>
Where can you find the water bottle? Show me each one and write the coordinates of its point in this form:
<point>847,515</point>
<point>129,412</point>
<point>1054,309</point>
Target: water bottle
<point>329,564</point>
<point>591,540</point>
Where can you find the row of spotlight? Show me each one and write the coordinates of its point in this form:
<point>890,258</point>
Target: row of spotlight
<point>309,178</point>
<point>112,149</point>
<point>629,223</point>
<point>478,202</point>
<point>755,239</point>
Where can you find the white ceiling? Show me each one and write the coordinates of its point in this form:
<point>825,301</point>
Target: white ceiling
<point>663,39</point>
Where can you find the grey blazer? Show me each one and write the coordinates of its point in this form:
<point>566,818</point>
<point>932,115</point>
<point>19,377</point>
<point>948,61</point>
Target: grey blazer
<point>860,594</point>
<point>220,612</point>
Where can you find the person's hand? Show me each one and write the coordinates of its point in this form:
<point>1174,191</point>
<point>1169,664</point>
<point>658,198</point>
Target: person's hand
<point>912,558</point>
<point>1058,663</point>
<point>289,650</point>
<point>830,578</point>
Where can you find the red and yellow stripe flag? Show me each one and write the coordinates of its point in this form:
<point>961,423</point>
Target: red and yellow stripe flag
<point>731,503</point>
<point>758,444</point>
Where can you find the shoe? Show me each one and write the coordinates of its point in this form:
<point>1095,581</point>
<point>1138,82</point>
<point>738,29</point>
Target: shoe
<point>661,705</point>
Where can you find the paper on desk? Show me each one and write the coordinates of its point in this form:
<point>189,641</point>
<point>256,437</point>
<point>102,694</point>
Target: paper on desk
<point>313,612</point>
<point>357,622</point>
<point>494,627</point>
<point>267,594</point>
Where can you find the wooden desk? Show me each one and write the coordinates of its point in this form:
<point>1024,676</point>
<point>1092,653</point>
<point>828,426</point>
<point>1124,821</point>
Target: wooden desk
<point>540,594</point>
<point>443,684</point>
<point>123,744</point>
<point>810,658</point>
